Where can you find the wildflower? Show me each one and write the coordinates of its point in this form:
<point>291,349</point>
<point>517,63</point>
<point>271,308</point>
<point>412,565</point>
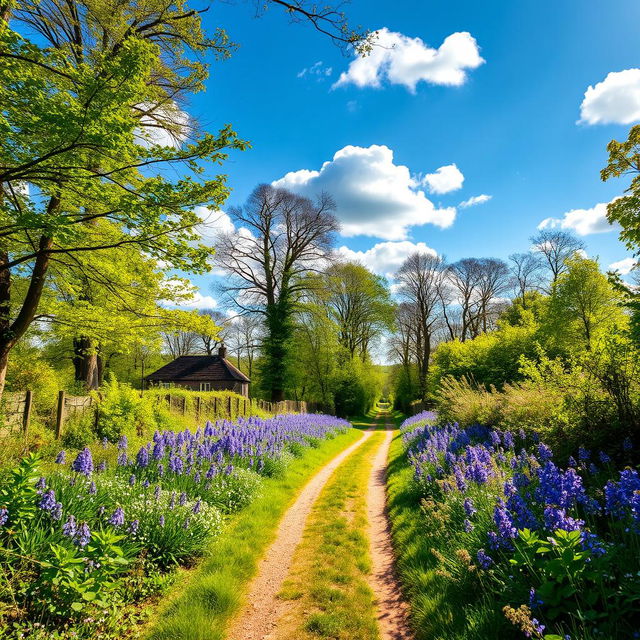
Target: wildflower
<point>133,527</point>
<point>56,512</point>
<point>583,454</point>
<point>132,479</point>
<point>187,522</point>
<point>161,521</point>
<point>183,499</point>
<point>196,506</point>
<point>604,458</point>
<point>61,457</point>
<point>117,517</point>
<point>41,485</point>
<point>105,442</point>
<point>469,509</point>
<point>557,518</point>
<point>83,535</point>
<point>484,560</point>
<point>468,526</point>
<point>69,527</point>
<point>48,501</point>
<point>4,516</point>
<point>158,451</point>
<point>504,522</point>
<point>92,490</point>
<point>123,443</point>
<point>102,466</point>
<point>156,492</point>
<point>544,452</point>
<point>83,463</point>
<point>123,461</point>
<point>142,459</point>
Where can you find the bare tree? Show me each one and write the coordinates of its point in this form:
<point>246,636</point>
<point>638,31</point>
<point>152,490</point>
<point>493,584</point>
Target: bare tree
<point>494,281</point>
<point>209,344</point>
<point>181,343</point>
<point>286,237</point>
<point>243,336</point>
<point>421,277</point>
<point>555,246</point>
<point>464,277</point>
<point>525,274</point>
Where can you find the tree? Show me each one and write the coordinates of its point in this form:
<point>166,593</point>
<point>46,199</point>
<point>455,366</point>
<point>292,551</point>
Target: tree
<point>359,303</point>
<point>556,247</point>
<point>421,277</point>
<point>286,237</point>
<point>525,274</point>
<point>244,336</point>
<point>584,304</point>
<point>465,278</point>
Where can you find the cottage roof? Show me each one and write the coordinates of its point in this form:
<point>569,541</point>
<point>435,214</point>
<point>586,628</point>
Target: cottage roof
<point>198,369</point>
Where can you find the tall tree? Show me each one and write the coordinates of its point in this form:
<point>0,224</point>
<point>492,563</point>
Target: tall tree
<point>525,274</point>
<point>420,278</point>
<point>284,238</point>
<point>359,303</point>
<point>555,247</point>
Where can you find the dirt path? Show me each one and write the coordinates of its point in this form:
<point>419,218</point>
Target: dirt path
<point>392,610</point>
<point>258,618</point>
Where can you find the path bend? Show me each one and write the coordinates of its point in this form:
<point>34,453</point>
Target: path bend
<point>258,618</point>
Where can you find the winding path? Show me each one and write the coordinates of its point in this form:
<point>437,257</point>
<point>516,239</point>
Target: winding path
<point>391,608</point>
<point>260,615</point>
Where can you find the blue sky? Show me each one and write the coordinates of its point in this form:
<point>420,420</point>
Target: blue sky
<point>511,127</point>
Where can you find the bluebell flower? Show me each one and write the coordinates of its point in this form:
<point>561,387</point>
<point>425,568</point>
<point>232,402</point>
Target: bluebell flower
<point>61,457</point>
<point>123,443</point>
<point>83,463</point>
<point>83,535</point>
<point>469,509</point>
<point>4,516</point>
<point>48,501</point>
<point>69,527</point>
<point>117,517</point>
<point>133,527</point>
<point>142,459</point>
<point>92,490</point>
<point>484,560</point>
<point>604,458</point>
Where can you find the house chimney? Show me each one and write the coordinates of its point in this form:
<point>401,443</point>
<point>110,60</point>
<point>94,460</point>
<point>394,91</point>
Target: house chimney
<point>222,351</point>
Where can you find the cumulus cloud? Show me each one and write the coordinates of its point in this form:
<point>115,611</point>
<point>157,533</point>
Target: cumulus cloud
<point>213,224</point>
<point>614,100</point>
<point>200,301</point>
<point>583,221</point>
<point>317,69</point>
<point>624,266</point>
<point>385,258</point>
<point>166,125</point>
<point>374,196</point>
<point>399,59</point>
<point>474,200</point>
<point>445,179</point>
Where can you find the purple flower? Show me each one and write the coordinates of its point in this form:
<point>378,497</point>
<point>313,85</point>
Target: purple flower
<point>61,457</point>
<point>484,560</point>
<point>83,463</point>
<point>123,460</point>
<point>142,459</point>
<point>105,442</point>
<point>158,451</point>
<point>83,535</point>
<point>469,509</point>
<point>161,521</point>
<point>133,527</point>
<point>102,466</point>
<point>502,518</point>
<point>156,492</point>
<point>132,479</point>
<point>556,518</point>
<point>604,458</point>
<point>196,506</point>
<point>4,516</point>
<point>92,490</point>
<point>544,452</point>
<point>69,527</point>
<point>48,501</point>
<point>123,443</point>
<point>183,499</point>
<point>56,512</point>
<point>468,526</point>
<point>117,517</point>
<point>41,485</point>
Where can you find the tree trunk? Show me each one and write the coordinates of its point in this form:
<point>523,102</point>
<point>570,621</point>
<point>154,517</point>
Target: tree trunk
<point>87,363</point>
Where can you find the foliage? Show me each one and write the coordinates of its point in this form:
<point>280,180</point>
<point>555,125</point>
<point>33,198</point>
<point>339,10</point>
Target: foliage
<point>553,549</point>
<point>79,541</point>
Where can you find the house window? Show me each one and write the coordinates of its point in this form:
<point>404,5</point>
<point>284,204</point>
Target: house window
<point>165,385</point>
<point>205,386</point>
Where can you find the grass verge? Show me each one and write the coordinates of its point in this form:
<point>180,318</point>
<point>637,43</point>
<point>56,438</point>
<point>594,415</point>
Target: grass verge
<point>328,591</point>
<point>205,601</point>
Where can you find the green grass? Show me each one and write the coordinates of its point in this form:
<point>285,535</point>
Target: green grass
<point>440,608</point>
<point>328,588</point>
<point>206,599</point>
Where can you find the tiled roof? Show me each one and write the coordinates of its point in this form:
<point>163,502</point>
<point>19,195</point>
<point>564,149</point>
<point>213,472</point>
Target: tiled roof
<point>198,369</point>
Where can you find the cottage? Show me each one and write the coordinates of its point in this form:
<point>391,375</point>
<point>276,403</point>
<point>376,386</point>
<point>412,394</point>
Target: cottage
<point>201,373</point>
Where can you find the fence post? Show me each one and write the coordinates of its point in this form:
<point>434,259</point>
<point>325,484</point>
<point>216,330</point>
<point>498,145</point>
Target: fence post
<point>229,406</point>
<point>26,416</point>
<point>245,406</point>
<point>215,407</point>
<point>60,414</point>
<point>184,404</point>
<point>198,407</point>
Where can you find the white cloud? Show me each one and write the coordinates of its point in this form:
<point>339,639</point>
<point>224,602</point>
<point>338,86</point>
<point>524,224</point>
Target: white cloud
<point>624,266</point>
<point>317,69</point>
<point>385,258</point>
<point>474,200</point>
<point>213,224</point>
<point>200,301</point>
<point>400,59</point>
<point>445,179</point>
<point>374,196</point>
<point>614,100</point>
<point>166,125</point>
<point>583,221</point>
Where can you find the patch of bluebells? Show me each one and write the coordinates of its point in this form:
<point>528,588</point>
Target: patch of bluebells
<point>501,483</point>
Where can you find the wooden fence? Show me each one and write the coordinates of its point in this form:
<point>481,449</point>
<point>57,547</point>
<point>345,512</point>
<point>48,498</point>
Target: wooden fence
<point>17,408</point>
